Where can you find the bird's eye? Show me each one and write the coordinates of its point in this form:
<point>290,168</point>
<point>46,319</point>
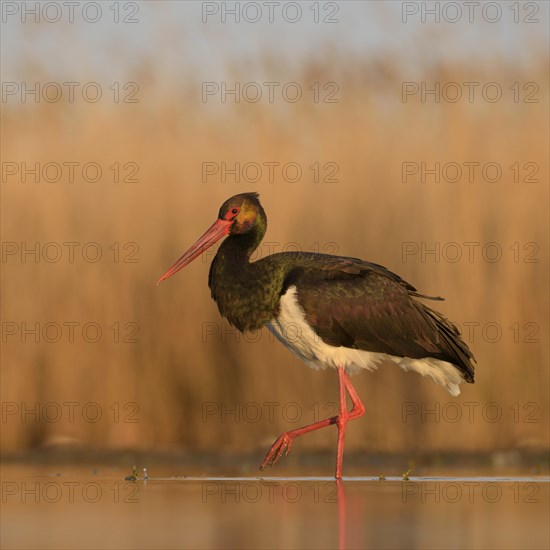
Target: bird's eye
<point>231,213</point>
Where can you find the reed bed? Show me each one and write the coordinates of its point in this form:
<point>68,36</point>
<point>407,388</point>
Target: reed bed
<point>195,383</point>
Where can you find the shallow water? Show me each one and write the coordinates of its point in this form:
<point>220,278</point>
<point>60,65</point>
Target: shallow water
<point>75,507</point>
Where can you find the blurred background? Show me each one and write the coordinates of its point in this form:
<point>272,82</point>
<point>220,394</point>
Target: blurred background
<point>370,129</point>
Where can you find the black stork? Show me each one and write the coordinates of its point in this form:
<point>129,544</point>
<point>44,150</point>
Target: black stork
<point>351,314</point>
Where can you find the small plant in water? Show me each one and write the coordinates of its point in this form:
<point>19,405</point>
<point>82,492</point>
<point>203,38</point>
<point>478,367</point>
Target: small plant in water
<point>133,476</point>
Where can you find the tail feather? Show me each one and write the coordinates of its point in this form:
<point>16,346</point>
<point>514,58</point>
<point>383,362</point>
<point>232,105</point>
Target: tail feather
<point>453,344</point>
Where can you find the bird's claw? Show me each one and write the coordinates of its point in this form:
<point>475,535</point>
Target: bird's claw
<point>282,445</point>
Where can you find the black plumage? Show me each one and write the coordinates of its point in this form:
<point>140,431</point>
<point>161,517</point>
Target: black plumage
<point>347,301</point>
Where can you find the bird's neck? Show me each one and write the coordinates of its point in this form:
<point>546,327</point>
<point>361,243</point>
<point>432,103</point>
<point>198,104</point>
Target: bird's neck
<point>234,253</point>
<point>234,282</point>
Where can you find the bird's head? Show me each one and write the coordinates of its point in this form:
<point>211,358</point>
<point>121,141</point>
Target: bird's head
<point>238,215</point>
<point>242,211</point>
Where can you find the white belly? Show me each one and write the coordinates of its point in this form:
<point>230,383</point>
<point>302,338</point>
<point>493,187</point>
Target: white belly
<point>291,328</point>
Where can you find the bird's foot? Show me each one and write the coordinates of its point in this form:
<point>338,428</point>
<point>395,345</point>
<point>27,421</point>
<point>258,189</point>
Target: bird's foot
<point>280,447</point>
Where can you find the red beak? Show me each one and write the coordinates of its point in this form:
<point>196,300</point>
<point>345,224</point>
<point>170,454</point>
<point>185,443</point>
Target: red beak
<point>219,229</point>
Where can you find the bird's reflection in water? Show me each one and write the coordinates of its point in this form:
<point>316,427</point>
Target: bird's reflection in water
<point>341,514</point>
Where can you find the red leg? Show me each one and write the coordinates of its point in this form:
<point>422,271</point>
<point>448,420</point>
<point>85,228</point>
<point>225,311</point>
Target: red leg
<point>357,411</point>
<point>341,423</point>
<point>285,440</point>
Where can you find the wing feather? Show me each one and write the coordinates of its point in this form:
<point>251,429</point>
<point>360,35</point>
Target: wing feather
<point>358,304</point>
